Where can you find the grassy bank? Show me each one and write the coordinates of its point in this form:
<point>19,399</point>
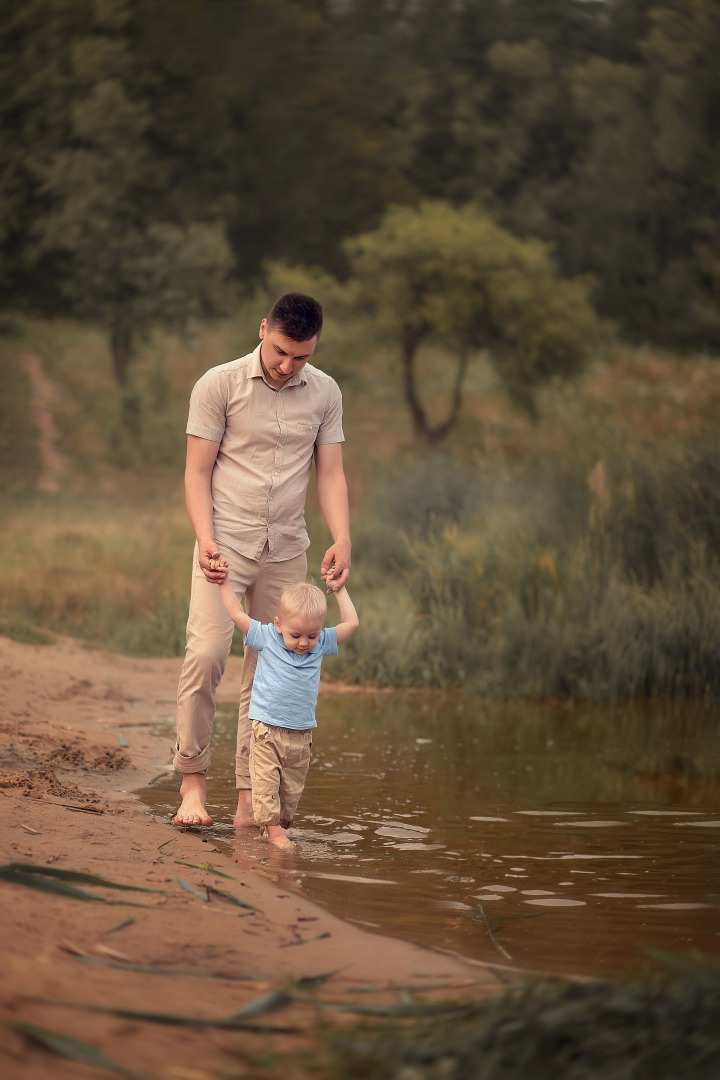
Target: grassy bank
<point>574,557</point>
<point>665,1028</point>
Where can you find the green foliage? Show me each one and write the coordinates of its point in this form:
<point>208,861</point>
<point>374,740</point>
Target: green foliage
<point>568,561</point>
<point>589,581</point>
<point>148,149</point>
<point>127,258</point>
<point>93,578</point>
<point>656,1029</point>
<point>455,275</point>
<point>19,629</point>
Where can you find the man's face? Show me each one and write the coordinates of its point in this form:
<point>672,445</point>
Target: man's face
<point>281,357</point>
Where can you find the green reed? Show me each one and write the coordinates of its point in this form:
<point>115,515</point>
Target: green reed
<point>570,578</point>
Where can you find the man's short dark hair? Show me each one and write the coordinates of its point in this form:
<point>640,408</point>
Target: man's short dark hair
<point>297,316</point>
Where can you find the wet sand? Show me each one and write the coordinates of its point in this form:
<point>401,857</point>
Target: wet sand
<point>66,802</point>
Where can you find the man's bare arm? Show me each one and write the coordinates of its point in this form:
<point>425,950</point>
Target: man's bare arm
<point>199,464</point>
<point>332,495</point>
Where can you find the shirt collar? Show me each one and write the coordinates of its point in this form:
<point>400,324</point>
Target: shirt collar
<point>256,372</point>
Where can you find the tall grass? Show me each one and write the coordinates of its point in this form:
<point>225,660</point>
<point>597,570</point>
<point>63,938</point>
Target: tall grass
<point>574,558</point>
<point>113,573</point>
<point>583,578</point>
<point>20,458</point>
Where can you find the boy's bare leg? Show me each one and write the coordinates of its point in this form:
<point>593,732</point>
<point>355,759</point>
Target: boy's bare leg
<point>244,815</point>
<point>193,811</point>
<point>276,835</point>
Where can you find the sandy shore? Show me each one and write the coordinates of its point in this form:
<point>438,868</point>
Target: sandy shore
<point>66,802</point>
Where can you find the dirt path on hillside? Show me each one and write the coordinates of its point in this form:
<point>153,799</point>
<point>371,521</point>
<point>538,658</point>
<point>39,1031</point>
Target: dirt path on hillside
<point>80,730</point>
<point>53,461</point>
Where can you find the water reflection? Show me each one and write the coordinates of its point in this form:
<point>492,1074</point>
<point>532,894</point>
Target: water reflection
<point>567,839</point>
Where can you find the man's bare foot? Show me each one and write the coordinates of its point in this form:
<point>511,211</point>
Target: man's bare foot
<point>193,790</point>
<point>277,836</point>
<point>244,815</point>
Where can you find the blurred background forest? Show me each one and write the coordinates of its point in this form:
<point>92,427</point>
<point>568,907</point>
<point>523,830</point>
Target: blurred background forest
<point>510,210</point>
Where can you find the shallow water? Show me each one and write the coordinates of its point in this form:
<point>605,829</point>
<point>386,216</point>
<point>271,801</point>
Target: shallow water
<point>559,839</point>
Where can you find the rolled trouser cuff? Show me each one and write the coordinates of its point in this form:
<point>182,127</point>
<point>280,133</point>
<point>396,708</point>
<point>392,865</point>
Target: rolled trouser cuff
<point>192,763</point>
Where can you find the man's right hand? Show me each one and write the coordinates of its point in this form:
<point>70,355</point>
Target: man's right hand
<point>209,559</point>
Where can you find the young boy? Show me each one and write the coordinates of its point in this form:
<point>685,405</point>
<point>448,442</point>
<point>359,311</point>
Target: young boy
<point>284,694</point>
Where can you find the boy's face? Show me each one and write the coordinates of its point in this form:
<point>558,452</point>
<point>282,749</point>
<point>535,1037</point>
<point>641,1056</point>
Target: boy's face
<point>299,634</point>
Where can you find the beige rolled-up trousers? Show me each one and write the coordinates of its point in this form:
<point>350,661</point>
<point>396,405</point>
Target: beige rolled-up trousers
<point>209,637</point>
<point>279,762</point>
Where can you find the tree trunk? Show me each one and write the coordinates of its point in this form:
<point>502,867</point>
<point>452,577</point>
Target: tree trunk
<point>120,347</point>
<point>421,425</point>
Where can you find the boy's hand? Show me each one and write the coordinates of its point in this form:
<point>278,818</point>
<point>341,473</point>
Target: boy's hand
<point>329,579</point>
<point>334,579</point>
<point>212,565</point>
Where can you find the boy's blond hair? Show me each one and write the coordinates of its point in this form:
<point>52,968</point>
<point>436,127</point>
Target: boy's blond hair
<point>303,599</point>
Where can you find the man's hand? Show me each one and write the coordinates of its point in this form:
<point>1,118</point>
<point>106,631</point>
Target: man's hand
<point>335,567</point>
<point>212,565</point>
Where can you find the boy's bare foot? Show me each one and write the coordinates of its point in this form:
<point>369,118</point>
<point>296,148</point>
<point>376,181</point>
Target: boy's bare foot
<point>244,815</point>
<point>277,836</point>
<point>194,796</point>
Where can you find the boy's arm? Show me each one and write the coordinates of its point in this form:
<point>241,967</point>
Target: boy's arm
<point>349,621</point>
<point>233,606</point>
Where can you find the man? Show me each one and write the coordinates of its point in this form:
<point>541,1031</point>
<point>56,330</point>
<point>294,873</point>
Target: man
<point>254,429</point>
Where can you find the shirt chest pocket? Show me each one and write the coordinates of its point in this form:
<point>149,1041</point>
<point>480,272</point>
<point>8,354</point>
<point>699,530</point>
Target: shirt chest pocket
<point>302,438</point>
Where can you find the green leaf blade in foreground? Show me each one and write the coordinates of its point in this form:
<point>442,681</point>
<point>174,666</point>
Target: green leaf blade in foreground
<point>74,875</point>
<point>241,1020</point>
<point>47,885</point>
<point>191,889</point>
<point>56,883</point>
<point>75,1049</point>
<point>232,899</point>
<point>276,999</point>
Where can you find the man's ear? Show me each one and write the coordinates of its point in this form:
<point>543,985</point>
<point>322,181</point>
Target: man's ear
<point>263,328</point>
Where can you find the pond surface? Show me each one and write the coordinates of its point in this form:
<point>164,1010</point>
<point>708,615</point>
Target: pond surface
<point>557,839</point>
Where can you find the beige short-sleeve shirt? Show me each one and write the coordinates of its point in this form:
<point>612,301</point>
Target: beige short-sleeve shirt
<point>267,440</point>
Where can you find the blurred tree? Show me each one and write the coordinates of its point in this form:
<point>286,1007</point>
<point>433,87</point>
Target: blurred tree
<point>316,109</point>
<point>591,126</point>
<point>640,204</point>
<point>266,115</point>
<point>121,240</point>
<point>437,273</point>
<point>34,115</point>
<point>683,74</point>
<point>293,124</point>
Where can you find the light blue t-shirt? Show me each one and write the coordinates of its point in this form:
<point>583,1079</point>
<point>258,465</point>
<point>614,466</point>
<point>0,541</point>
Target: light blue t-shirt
<point>286,684</point>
